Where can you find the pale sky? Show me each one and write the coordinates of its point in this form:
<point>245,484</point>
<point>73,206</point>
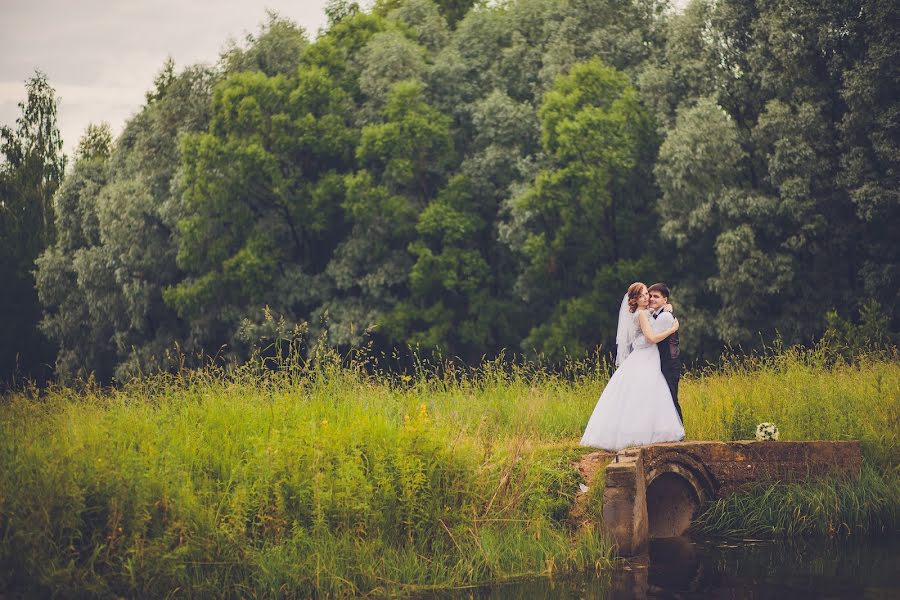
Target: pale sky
<point>102,55</point>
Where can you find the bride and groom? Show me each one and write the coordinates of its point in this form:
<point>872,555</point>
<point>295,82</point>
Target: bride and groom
<point>640,403</point>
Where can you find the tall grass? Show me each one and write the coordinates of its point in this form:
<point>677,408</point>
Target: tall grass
<point>809,393</point>
<point>332,479</point>
<point>320,479</point>
<point>828,508</point>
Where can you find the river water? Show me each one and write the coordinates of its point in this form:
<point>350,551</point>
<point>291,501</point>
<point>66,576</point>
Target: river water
<point>733,569</point>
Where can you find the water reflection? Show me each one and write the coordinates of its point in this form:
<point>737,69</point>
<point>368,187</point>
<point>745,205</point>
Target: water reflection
<point>705,568</point>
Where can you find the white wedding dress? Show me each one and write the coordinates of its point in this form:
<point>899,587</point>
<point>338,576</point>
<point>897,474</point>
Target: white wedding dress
<point>636,406</point>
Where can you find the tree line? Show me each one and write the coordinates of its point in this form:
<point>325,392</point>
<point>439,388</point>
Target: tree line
<point>471,179</point>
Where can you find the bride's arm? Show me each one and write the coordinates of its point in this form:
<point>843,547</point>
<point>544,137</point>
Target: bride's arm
<point>647,330</point>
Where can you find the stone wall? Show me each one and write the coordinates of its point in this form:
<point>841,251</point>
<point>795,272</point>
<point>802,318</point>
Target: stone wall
<point>731,465</point>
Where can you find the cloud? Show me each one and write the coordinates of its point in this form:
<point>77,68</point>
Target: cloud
<point>102,56</point>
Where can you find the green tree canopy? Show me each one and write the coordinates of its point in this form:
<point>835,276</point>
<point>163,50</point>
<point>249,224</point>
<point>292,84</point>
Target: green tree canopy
<point>580,224</point>
<point>477,178</point>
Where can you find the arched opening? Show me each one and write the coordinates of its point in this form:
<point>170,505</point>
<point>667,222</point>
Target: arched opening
<point>672,504</point>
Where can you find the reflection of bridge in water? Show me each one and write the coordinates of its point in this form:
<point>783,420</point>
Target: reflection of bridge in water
<point>655,491</point>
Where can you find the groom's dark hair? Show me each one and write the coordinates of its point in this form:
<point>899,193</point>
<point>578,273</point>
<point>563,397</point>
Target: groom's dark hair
<point>661,288</point>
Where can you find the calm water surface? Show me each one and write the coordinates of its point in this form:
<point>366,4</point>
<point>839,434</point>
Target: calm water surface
<point>734,569</point>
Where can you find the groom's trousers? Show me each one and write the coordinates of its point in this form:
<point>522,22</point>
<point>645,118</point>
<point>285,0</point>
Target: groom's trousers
<point>672,373</point>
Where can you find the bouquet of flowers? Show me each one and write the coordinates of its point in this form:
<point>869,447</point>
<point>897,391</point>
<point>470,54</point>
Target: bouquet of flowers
<point>766,431</point>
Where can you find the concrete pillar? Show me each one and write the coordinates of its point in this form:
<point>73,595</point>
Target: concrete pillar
<point>625,503</point>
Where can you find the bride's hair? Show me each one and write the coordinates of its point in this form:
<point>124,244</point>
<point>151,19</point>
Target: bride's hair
<point>634,290</point>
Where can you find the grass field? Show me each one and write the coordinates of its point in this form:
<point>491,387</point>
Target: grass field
<point>327,479</point>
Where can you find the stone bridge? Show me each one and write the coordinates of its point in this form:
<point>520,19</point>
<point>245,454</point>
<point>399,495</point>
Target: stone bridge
<point>655,491</point>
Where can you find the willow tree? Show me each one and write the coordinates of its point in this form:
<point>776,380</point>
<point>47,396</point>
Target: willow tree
<point>101,282</point>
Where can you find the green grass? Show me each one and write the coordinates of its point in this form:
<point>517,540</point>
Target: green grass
<point>806,394</point>
<point>827,508</point>
<point>329,480</point>
<point>309,480</point>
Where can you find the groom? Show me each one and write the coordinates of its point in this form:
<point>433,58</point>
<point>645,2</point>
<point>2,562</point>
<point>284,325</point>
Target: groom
<point>669,360</point>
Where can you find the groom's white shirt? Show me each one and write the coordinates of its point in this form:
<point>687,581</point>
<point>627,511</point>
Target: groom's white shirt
<point>663,321</point>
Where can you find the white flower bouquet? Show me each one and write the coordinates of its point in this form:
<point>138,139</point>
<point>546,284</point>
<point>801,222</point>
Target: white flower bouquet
<point>766,431</point>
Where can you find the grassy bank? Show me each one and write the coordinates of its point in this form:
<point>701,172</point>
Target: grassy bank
<point>334,481</point>
<point>807,394</point>
<point>319,480</point>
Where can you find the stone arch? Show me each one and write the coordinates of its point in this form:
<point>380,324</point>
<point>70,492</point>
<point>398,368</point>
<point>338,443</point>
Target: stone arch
<point>698,472</point>
<point>677,486</point>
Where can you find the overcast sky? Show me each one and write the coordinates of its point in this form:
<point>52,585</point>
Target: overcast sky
<point>102,55</point>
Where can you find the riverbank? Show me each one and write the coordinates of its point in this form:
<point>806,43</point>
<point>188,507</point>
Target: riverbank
<point>334,481</point>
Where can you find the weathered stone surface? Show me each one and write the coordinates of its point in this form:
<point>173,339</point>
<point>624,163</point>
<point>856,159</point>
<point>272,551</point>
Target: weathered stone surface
<point>732,465</point>
<point>589,464</point>
<point>657,490</point>
<point>625,503</point>
<point>672,504</point>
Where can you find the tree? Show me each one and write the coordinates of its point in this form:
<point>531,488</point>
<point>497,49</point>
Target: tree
<point>870,139</point>
<point>579,224</point>
<point>428,26</point>
<point>276,49</point>
<point>451,10</point>
<point>403,163</point>
<point>461,284</point>
<point>96,142</point>
<point>751,169</point>
<point>101,283</point>
<point>685,69</point>
<point>454,10</point>
<point>481,179</point>
<point>387,58</point>
<point>339,50</point>
<point>698,167</point>
<point>32,170</point>
<point>262,192</point>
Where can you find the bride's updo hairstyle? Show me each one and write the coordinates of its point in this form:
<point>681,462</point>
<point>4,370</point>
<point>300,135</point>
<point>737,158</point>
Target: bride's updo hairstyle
<point>634,291</point>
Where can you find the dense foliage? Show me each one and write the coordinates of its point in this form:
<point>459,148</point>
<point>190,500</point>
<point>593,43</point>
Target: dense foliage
<point>474,179</point>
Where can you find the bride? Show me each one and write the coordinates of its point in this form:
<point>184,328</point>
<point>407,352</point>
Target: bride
<point>636,406</point>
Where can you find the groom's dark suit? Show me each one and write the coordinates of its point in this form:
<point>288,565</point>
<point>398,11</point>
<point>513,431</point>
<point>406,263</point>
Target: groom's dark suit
<point>670,364</point>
